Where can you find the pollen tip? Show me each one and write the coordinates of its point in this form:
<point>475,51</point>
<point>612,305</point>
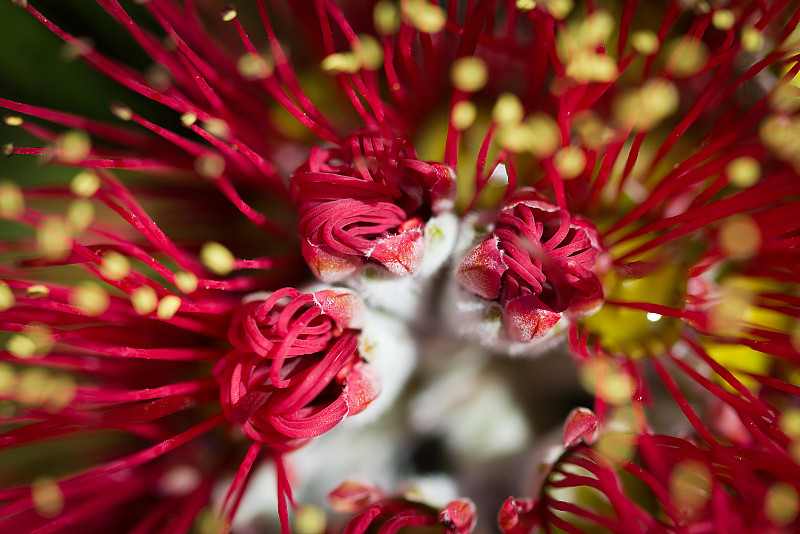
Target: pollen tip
<point>13,120</point>
<point>144,300</point>
<point>47,497</point>
<point>90,299</point>
<point>309,519</point>
<point>121,111</point>
<point>469,74</point>
<point>217,258</point>
<point>463,115</point>
<point>188,119</point>
<point>12,200</point>
<point>8,149</point>
<point>228,13</point>
<point>7,299</point>
<point>85,184</point>
<point>168,307</point>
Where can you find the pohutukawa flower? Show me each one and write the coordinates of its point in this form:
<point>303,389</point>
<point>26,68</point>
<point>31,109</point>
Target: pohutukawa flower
<point>535,265</point>
<point>368,201</point>
<point>296,371</point>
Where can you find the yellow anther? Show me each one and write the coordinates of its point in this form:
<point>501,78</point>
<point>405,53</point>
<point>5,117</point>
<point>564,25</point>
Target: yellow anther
<point>228,13</point>
<point>727,315</point>
<point>8,379</point>
<point>752,40</point>
<point>47,497</point>
<point>144,300</point>
<point>508,110</point>
<point>115,266</point>
<point>90,299</point>
<point>386,17</point>
<point>368,51</point>
<point>13,120</point>
<point>686,56</point>
<point>739,237</point>
<point>585,67</point>
<point>7,299</point>
<point>121,111</point>
<point>37,291</point>
<point>785,97</point>
<point>341,62</point>
<point>425,17</point>
<point>591,130</point>
<point>545,135</point>
<point>782,135</point>
<point>217,127</point>
<point>309,519</point>
<point>73,145</point>
<point>463,115</point>
<point>80,214</point>
<point>217,258</point>
<point>789,422</point>
<point>644,108</point>
<point>559,8</point>
<point>690,485</point>
<point>782,503</point>
<point>21,346</point>
<point>85,184</point>
<point>52,239</point>
<point>12,200</point>
<point>61,391</point>
<point>570,162</point>
<point>594,31</point>
<point>209,165</point>
<point>469,74</point>
<point>743,172</point>
<point>723,19</point>
<point>253,67</point>
<point>186,282</point>
<point>526,5</point>
<point>168,307</point>
<point>188,118</point>
<point>8,149</point>
<point>645,42</point>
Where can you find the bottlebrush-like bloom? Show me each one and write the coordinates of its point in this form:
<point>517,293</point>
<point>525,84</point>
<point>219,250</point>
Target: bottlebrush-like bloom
<point>622,176</point>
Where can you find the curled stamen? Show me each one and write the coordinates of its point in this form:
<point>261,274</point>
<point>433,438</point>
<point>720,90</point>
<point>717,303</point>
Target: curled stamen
<point>538,264</point>
<point>368,201</point>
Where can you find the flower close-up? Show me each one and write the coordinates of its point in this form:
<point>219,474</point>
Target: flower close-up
<point>318,266</point>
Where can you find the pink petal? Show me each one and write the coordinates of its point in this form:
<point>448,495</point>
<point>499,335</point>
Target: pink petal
<point>581,425</point>
<point>327,266</point>
<point>481,271</point>
<point>458,516</point>
<point>343,306</point>
<point>401,254</point>
<point>363,387</point>
<point>527,318</point>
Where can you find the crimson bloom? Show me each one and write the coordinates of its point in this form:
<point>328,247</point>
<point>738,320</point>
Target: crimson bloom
<point>614,184</point>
